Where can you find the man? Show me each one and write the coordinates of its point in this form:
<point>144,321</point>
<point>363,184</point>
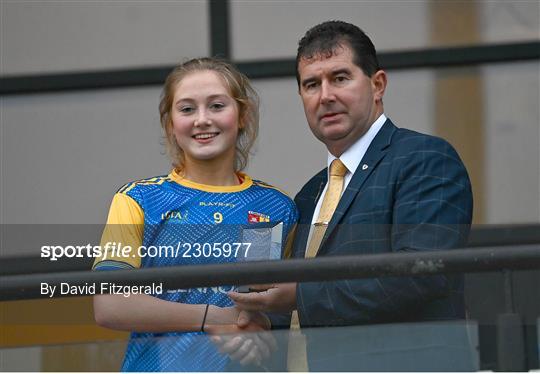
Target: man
<point>401,191</point>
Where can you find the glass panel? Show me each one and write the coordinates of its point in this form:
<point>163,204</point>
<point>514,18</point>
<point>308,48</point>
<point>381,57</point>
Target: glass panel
<point>432,346</point>
<point>501,329</point>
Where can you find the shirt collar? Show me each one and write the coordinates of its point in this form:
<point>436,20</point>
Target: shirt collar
<point>353,155</point>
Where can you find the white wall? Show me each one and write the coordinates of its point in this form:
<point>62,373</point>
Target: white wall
<point>271,29</point>
<point>513,142</point>
<point>56,36</point>
<point>512,116</point>
<point>65,154</point>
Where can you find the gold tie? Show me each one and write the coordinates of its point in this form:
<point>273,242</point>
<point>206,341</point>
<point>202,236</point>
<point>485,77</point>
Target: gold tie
<point>297,356</point>
<point>329,204</point>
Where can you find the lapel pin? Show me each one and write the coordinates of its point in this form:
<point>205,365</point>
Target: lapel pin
<point>364,167</point>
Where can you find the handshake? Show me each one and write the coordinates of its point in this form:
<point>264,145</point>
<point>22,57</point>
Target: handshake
<point>247,340</point>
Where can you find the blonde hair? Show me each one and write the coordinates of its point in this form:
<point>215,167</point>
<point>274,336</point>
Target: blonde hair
<point>240,90</point>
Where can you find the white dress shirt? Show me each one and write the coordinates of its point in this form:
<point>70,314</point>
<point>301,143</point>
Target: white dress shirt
<point>351,158</point>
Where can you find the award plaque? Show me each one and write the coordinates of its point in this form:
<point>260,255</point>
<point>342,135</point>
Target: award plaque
<point>263,241</point>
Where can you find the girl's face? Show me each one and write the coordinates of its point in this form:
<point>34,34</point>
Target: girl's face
<point>205,118</point>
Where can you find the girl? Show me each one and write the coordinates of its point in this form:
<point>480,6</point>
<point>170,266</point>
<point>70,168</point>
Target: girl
<point>209,114</point>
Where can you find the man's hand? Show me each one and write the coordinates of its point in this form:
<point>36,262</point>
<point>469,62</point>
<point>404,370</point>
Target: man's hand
<point>278,298</point>
<point>247,348</point>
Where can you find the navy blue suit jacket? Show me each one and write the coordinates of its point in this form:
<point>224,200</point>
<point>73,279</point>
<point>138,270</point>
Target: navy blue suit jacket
<point>414,195</point>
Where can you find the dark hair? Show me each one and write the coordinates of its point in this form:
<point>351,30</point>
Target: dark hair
<point>324,38</point>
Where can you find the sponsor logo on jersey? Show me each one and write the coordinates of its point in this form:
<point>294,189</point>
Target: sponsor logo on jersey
<point>174,215</point>
<point>254,217</point>
<point>220,289</point>
<point>217,203</point>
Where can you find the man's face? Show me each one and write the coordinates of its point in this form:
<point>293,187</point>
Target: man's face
<point>340,101</point>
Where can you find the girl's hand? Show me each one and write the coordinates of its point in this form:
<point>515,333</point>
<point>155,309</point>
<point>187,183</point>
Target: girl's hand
<point>245,340</point>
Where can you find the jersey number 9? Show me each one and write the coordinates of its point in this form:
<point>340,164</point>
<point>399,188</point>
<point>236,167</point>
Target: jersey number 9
<point>218,217</point>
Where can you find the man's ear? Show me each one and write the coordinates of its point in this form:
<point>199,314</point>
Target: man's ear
<point>378,84</point>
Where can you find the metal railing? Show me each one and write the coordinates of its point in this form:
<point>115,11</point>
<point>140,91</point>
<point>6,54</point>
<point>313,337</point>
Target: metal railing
<point>17,283</point>
<point>27,286</point>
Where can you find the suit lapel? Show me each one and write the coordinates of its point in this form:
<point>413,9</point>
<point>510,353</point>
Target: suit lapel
<point>375,153</point>
<point>311,201</point>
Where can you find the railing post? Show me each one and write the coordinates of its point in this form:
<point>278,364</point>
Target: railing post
<point>511,354</point>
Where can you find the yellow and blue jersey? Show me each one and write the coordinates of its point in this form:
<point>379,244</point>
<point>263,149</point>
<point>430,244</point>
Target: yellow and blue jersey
<point>186,220</point>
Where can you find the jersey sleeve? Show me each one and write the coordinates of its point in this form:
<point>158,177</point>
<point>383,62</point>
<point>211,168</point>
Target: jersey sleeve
<point>122,235</point>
